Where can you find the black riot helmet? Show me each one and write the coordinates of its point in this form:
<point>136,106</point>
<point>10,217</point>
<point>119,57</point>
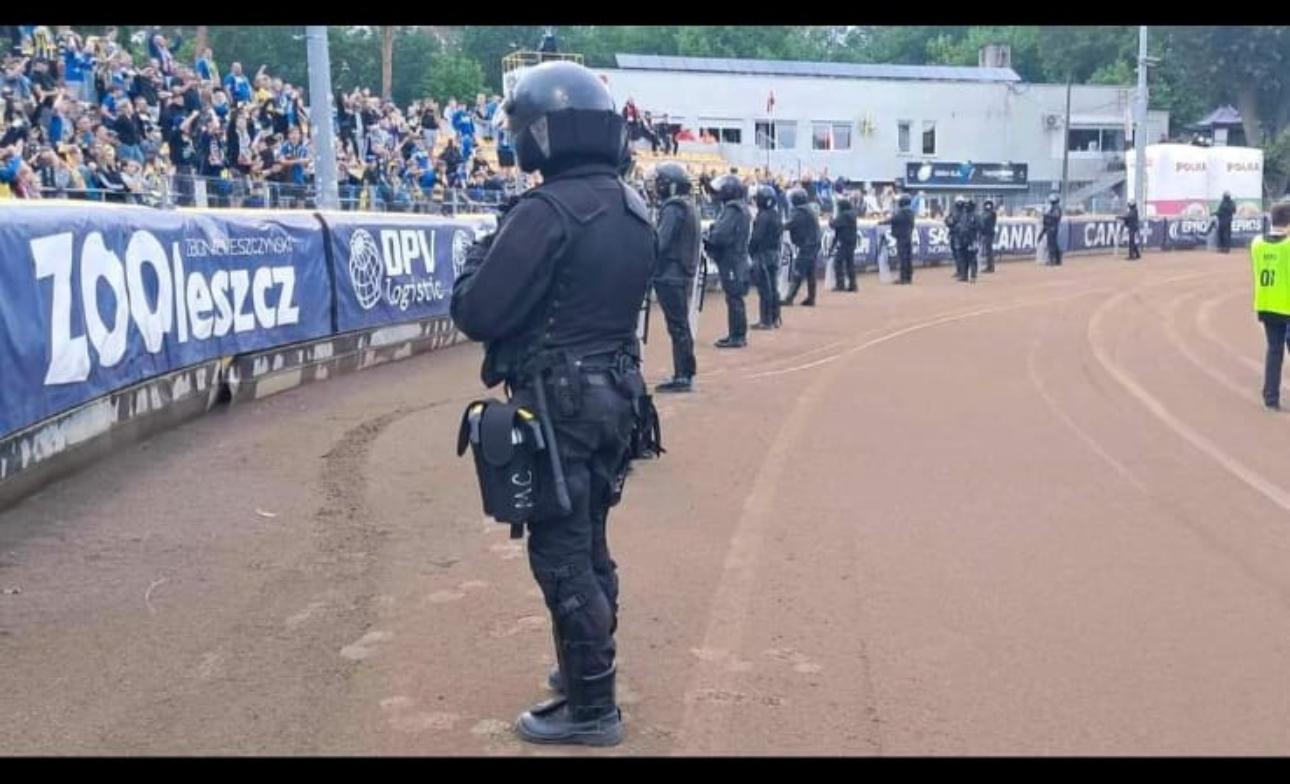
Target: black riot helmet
<point>988,205</point>
<point>959,201</point>
<point>844,205</point>
<point>969,205</point>
<point>560,111</point>
<point>671,179</point>
<point>765,197</point>
<point>797,197</point>
<point>727,188</point>
<point>903,200</point>
<point>1053,198</point>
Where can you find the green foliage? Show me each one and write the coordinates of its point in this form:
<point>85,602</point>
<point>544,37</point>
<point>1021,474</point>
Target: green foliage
<point>453,76</point>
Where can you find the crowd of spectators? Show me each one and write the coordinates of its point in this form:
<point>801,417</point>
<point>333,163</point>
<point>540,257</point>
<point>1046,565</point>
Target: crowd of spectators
<point>99,118</point>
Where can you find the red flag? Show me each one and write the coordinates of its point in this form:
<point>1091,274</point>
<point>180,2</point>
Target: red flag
<point>770,102</point>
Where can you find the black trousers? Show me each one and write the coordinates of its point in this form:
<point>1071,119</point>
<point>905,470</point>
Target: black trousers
<point>1134,253</point>
<point>960,259</point>
<point>734,282</point>
<point>569,554</point>
<point>844,267</point>
<point>1274,326</point>
<point>905,253</point>
<point>1224,236</point>
<point>969,262</point>
<point>674,299</point>
<point>767,277</point>
<point>803,269</point>
<point>1054,250</point>
<point>987,247</point>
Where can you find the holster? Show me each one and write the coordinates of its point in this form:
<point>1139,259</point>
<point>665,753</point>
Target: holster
<point>506,441</point>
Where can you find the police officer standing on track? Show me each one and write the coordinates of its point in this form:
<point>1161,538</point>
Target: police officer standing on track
<point>1131,222</point>
<point>969,228</point>
<point>952,221</point>
<point>555,295</point>
<point>727,243</point>
<point>804,233</point>
<point>1270,259</point>
<point>844,247</point>
<point>764,247</point>
<point>678,259</point>
<point>1226,209</point>
<point>902,228</point>
<point>1052,222</point>
<point>988,220</point>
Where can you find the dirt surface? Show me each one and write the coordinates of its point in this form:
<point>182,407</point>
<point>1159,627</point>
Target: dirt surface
<point>1043,514</point>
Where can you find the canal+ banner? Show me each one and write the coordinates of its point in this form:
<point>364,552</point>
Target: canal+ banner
<point>390,269</point>
<point>95,298</point>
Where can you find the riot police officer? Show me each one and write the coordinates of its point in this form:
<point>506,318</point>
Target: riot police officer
<point>804,233</point>
<point>844,247</point>
<point>1052,222</point>
<point>988,222</point>
<point>763,247</point>
<point>969,228</point>
<point>1131,222</point>
<point>952,221</point>
<point>902,228</point>
<point>1226,209</point>
<point>555,294</point>
<point>727,243</point>
<point>678,259</point>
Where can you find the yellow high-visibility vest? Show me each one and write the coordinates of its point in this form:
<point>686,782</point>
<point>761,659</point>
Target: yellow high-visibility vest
<point>1270,262</point>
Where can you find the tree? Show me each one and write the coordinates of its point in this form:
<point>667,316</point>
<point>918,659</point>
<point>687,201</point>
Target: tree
<point>453,76</point>
<point>387,60</point>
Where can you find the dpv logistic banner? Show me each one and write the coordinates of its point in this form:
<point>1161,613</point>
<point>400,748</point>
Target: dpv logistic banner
<point>96,299</point>
<point>392,269</point>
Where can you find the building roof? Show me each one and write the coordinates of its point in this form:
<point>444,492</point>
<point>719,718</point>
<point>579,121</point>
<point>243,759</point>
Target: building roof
<point>945,73</point>
<point>1223,115</point>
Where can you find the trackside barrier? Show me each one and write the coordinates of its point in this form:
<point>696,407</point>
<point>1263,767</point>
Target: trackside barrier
<point>109,314</point>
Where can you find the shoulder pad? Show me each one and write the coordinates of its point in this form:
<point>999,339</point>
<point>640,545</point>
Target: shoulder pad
<point>635,204</point>
<point>573,197</point>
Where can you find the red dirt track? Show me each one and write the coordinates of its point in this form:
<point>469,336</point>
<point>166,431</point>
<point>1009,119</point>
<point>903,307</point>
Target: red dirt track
<point>1043,514</point>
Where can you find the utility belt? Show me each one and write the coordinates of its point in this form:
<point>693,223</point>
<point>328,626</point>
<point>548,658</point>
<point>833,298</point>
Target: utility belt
<point>516,454</point>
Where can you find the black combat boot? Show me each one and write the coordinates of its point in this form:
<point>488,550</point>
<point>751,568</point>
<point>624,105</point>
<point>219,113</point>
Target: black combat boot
<point>677,384</point>
<point>729,342</point>
<point>587,715</point>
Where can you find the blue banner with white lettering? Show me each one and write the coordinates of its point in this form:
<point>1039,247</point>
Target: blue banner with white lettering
<point>95,299</point>
<point>390,269</point>
<point>1108,233</point>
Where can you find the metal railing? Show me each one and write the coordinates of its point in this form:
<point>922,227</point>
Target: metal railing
<point>181,190</point>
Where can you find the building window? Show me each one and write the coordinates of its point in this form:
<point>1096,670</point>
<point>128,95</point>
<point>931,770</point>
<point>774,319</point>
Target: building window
<point>1095,140</point>
<point>777,135</point>
<point>903,134</point>
<point>830,136</point>
<point>929,137</point>
<point>721,131</point>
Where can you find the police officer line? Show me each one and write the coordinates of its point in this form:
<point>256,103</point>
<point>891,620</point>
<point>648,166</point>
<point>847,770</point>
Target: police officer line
<point>1016,237</point>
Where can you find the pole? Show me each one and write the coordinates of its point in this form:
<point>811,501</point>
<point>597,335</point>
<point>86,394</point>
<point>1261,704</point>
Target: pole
<point>1140,125</point>
<point>1066,144</point>
<point>320,111</point>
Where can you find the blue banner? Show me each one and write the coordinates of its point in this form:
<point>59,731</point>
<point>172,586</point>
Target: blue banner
<point>94,299</point>
<point>390,268</point>
<point>1108,233</point>
<point>1186,233</point>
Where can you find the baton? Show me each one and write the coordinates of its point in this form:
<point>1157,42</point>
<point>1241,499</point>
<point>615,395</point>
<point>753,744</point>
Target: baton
<point>553,448</point>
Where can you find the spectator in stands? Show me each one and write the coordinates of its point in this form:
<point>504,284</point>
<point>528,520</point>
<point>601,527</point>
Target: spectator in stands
<point>108,175</point>
<point>78,69</point>
<point>129,132</point>
<point>452,161</point>
<point>237,85</point>
<point>293,155</point>
<point>160,49</point>
<point>205,67</point>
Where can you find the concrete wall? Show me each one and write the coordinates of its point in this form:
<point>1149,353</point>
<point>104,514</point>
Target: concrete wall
<point>979,121</point>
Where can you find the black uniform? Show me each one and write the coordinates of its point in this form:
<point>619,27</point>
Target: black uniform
<point>988,220</point>
<point>1226,209</point>
<point>902,229</point>
<point>678,259</point>
<point>555,295</point>
<point>764,247</point>
<point>804,233</point>
<point>728,244</point>
<point>844,248</point>
<point>1052,221</point>
<point>952,220</point>
<point>969,231</point>
<point>1131,223</point>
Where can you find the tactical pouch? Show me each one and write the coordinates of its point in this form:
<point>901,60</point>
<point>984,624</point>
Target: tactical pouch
<point>506,441</point>
<point>647,432</point>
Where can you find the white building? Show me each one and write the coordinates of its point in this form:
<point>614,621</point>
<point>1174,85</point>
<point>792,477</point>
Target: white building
<point>869,122</point>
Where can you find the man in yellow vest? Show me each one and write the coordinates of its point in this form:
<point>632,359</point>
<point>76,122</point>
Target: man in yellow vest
<point>1270,256</point>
